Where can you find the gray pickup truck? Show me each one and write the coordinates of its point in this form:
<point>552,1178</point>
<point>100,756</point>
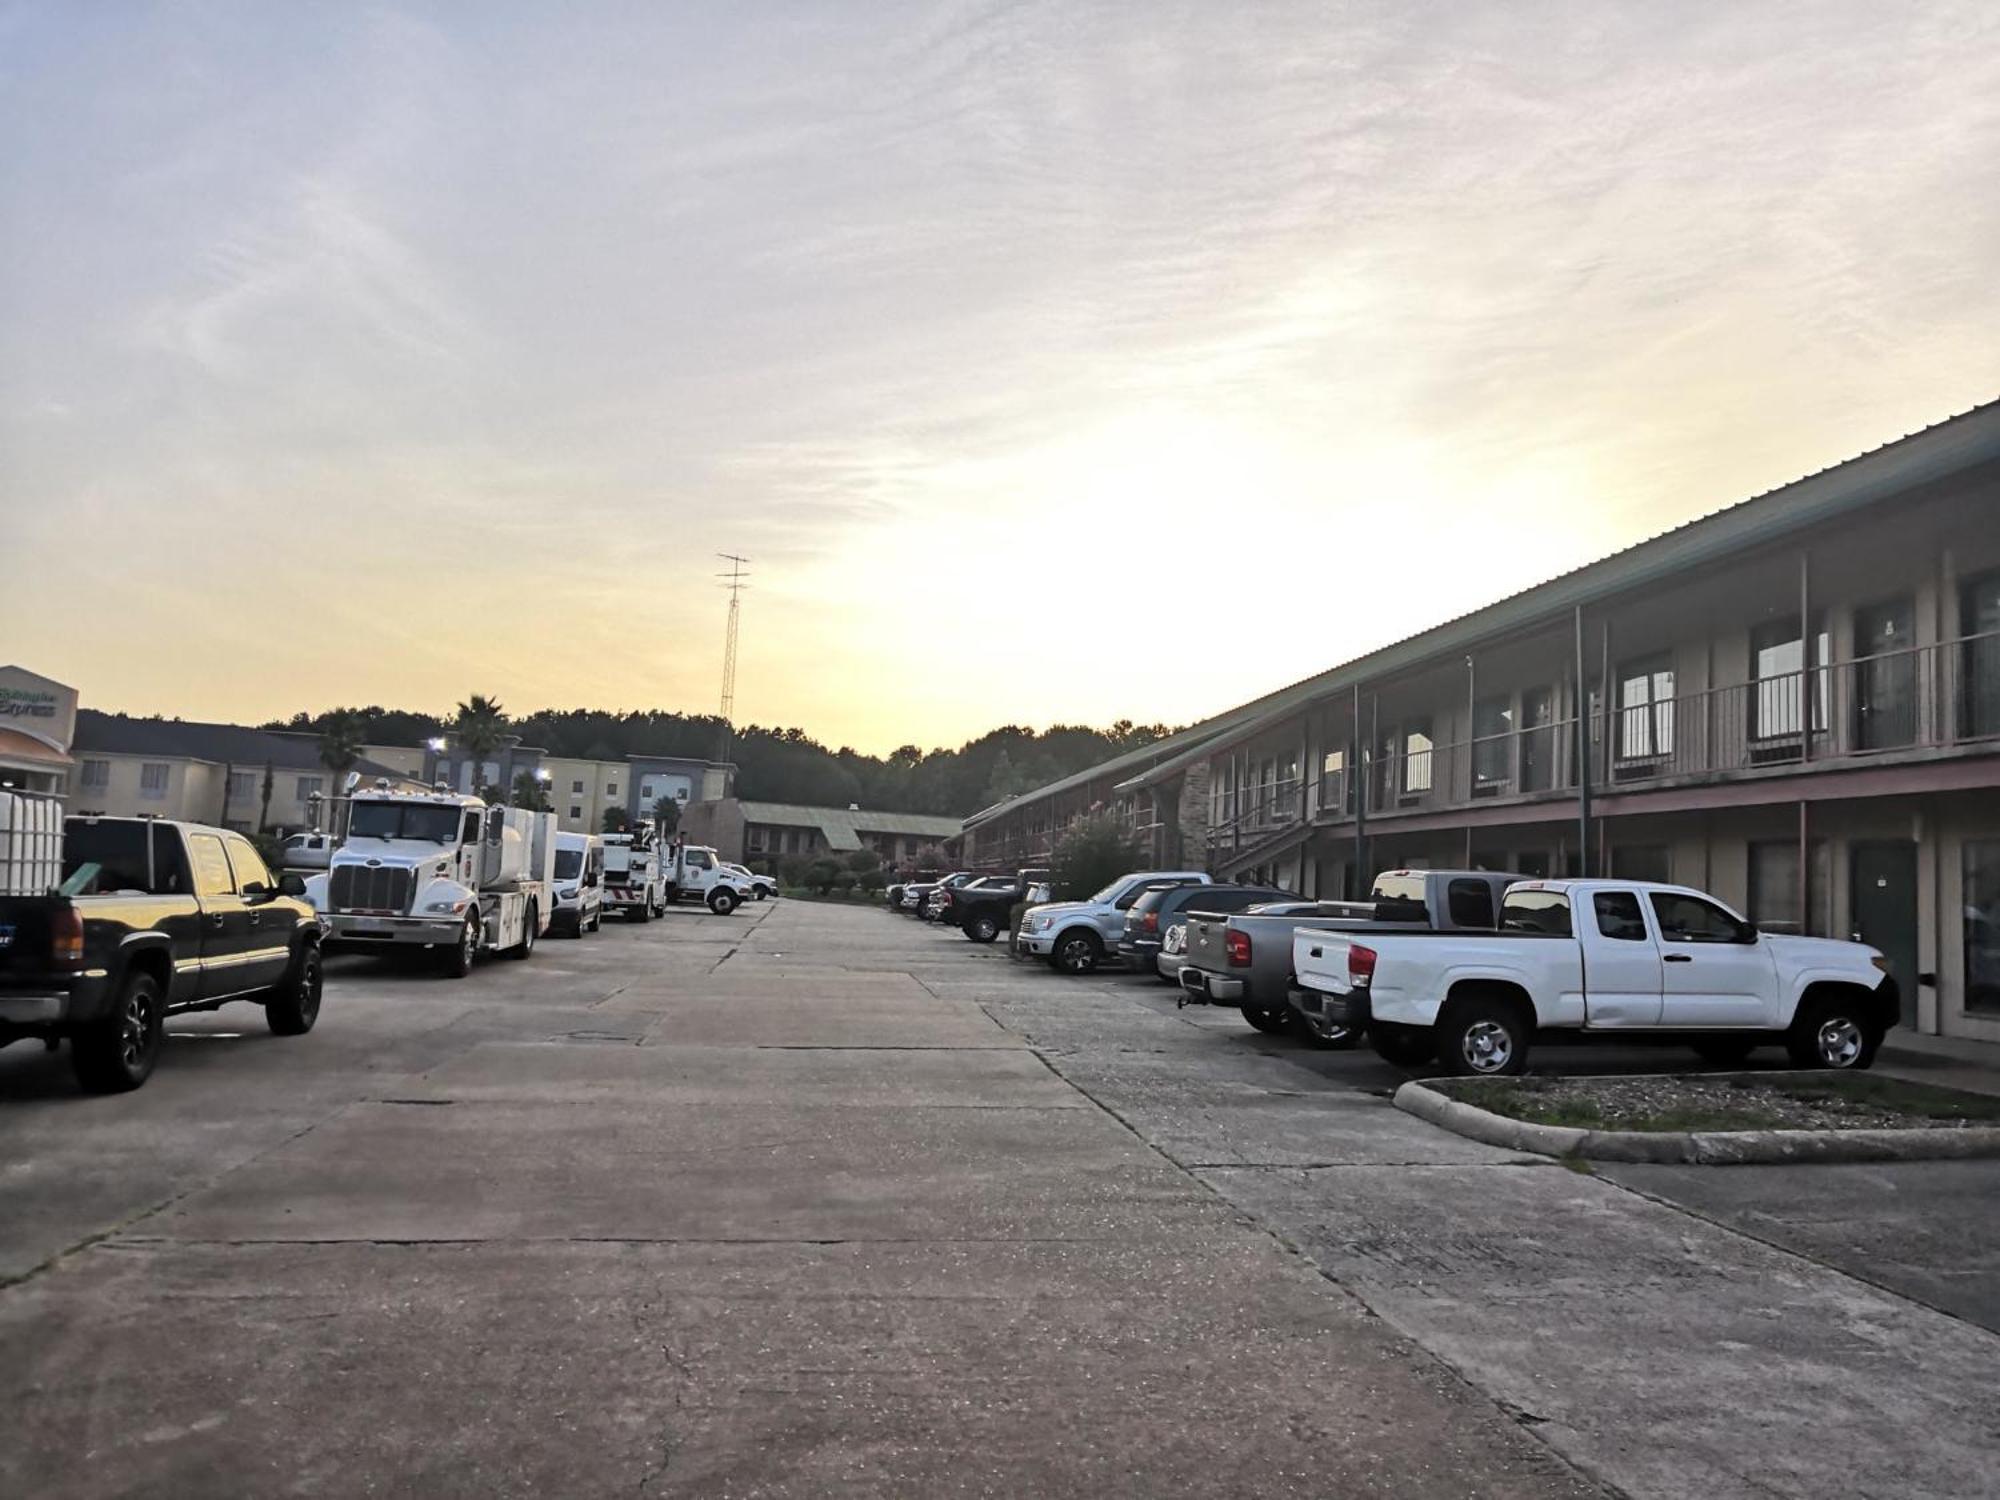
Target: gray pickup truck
<point>1245,960</point>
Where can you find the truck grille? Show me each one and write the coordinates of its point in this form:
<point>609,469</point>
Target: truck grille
<point>362,888</point>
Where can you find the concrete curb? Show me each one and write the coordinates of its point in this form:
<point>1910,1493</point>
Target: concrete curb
<point>1714,1148</point>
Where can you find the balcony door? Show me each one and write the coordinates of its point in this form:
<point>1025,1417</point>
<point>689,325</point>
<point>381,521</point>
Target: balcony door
<point>1885,676</point>
<point>1538,739</point>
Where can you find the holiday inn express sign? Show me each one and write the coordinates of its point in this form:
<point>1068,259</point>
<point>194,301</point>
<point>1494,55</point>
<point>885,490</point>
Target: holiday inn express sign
<point>38,706</point>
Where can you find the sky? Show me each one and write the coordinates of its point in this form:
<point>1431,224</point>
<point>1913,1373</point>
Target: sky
<point>388,354</point>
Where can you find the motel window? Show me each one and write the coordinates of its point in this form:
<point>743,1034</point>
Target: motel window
<point>308,787</point>
<point>575,811</point>
<point>1646,709</point>
<point>1979,656</point>
<point>153,779</point>
<point>96,773</point>
<point>242,784</point>
<point>610,788</point>
<point>1492,745</point>
<point>1982,926</point>
<point>1416,757</point>
<point>1778,662</point>
<point>576,788</point>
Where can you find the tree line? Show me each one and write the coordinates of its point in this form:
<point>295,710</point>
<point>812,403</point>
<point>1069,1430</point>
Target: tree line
<point>773,765</point>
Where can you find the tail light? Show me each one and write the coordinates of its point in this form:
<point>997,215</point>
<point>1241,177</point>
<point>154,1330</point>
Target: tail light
<point>1150,922</point>
<point>66,939</point>
<point>1360,965</point>
<point>1236,943</point>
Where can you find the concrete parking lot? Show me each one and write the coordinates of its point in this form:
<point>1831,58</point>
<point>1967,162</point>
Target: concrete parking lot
<point>814,1199</point>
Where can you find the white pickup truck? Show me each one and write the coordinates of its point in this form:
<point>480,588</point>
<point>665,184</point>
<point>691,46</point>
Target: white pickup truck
<point>1612,958</point>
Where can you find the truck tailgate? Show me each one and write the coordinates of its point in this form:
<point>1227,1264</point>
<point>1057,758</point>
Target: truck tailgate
<point>1319,959</point>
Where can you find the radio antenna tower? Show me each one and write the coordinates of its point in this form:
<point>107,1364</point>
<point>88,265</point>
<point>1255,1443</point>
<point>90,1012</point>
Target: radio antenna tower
<point>733,581</point>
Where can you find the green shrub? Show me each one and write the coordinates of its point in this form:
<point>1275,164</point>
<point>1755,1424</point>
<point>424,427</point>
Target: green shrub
<point>1089,857</point>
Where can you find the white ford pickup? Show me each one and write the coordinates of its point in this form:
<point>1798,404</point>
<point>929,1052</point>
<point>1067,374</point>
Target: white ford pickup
<point>1610,957</point>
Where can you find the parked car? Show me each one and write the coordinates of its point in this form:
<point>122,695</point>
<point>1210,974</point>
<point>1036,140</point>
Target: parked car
<point>1076,936</point>
<point>916,898</point>
<point>1246,960</point>
<point>761,887</point>
<point>150,919</point>
<point>579,884</point>
<point>307,851</point>
<point>1158,909</point>
<point>943,905</point>
<point>980,910</point>
<point>1601,958</point>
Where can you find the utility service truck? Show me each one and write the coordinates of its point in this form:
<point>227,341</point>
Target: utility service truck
<point>696,872</point>
<point>635,875</point>
<point>439,870</point>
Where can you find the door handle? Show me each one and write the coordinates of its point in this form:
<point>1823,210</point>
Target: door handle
<point>1680,958</point>
<point>215,919</point>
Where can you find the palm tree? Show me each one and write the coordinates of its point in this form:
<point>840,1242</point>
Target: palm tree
<point>339,752</point>
<point>478,728</point>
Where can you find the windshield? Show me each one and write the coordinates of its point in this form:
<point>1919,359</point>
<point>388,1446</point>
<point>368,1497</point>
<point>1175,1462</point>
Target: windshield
<point>569,863</point>
<point>435,822</point>
<point>1108,894</point>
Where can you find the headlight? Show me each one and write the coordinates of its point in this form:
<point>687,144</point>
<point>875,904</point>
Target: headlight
<point>567,892</point>
<point>453,907</point>
<point>1042,923</point>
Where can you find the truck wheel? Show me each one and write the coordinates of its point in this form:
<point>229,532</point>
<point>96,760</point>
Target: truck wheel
<point>118,1052</point>
<point>982,929</point>
<point>293,1006</point>
<point>1833,1031</point>
<point>1272,1021</point>
<point>458,958</point>
<point>527,944</point>
<point>1402,1046</point>
<point>1324,1036</point>
<point>1483,1036</point>
<point>643,912</point>
<point>722,902</point>
<point>1076,953</point>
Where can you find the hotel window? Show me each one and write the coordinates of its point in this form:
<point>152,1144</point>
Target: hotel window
<point>153,779</point>
<point>1646,710</point>
<point>575,811</point>
<point>576,788</point>
<point>1979,656</point>
<point>1778,663</point>
<point>610,788</point>
<point>1492,746</point>
<point>242,785</point>
<point>1982,926</point>
<point>309,786</point>
<point>96,773</point>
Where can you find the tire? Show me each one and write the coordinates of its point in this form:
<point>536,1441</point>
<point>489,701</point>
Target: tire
<point>643,912</point>
<point>1725,1051</point>
<point>459,958</point>
<point>1402,1046</point>
<point>1272,1022</point>
<point>722,902</point>
<point>293,1006</point>
<point>117,1054</point>
<point>1321,1036</point>
<point>1076,952</point>
<point>526,946</point>
<point>983,928</point>
<point>1483,1036</point>
<point>1834,1031</point>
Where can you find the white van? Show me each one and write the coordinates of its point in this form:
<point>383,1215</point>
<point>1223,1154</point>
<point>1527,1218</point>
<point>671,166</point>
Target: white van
<point>579,883</point>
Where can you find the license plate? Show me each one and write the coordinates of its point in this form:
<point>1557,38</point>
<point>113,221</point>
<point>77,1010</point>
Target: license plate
<point>370,927</point>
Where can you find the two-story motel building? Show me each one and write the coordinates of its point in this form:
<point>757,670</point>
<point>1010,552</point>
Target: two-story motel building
<point>1793,702</point>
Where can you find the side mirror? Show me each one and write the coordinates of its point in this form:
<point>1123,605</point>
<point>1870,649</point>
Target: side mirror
<point>291,883</point>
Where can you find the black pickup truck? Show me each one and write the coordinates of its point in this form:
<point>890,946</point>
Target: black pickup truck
<point>980,911</point>
<point>152,918</point>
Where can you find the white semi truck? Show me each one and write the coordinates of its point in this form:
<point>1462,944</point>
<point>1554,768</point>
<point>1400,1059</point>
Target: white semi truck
<point>635,880</point>
<point>442,871</point>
